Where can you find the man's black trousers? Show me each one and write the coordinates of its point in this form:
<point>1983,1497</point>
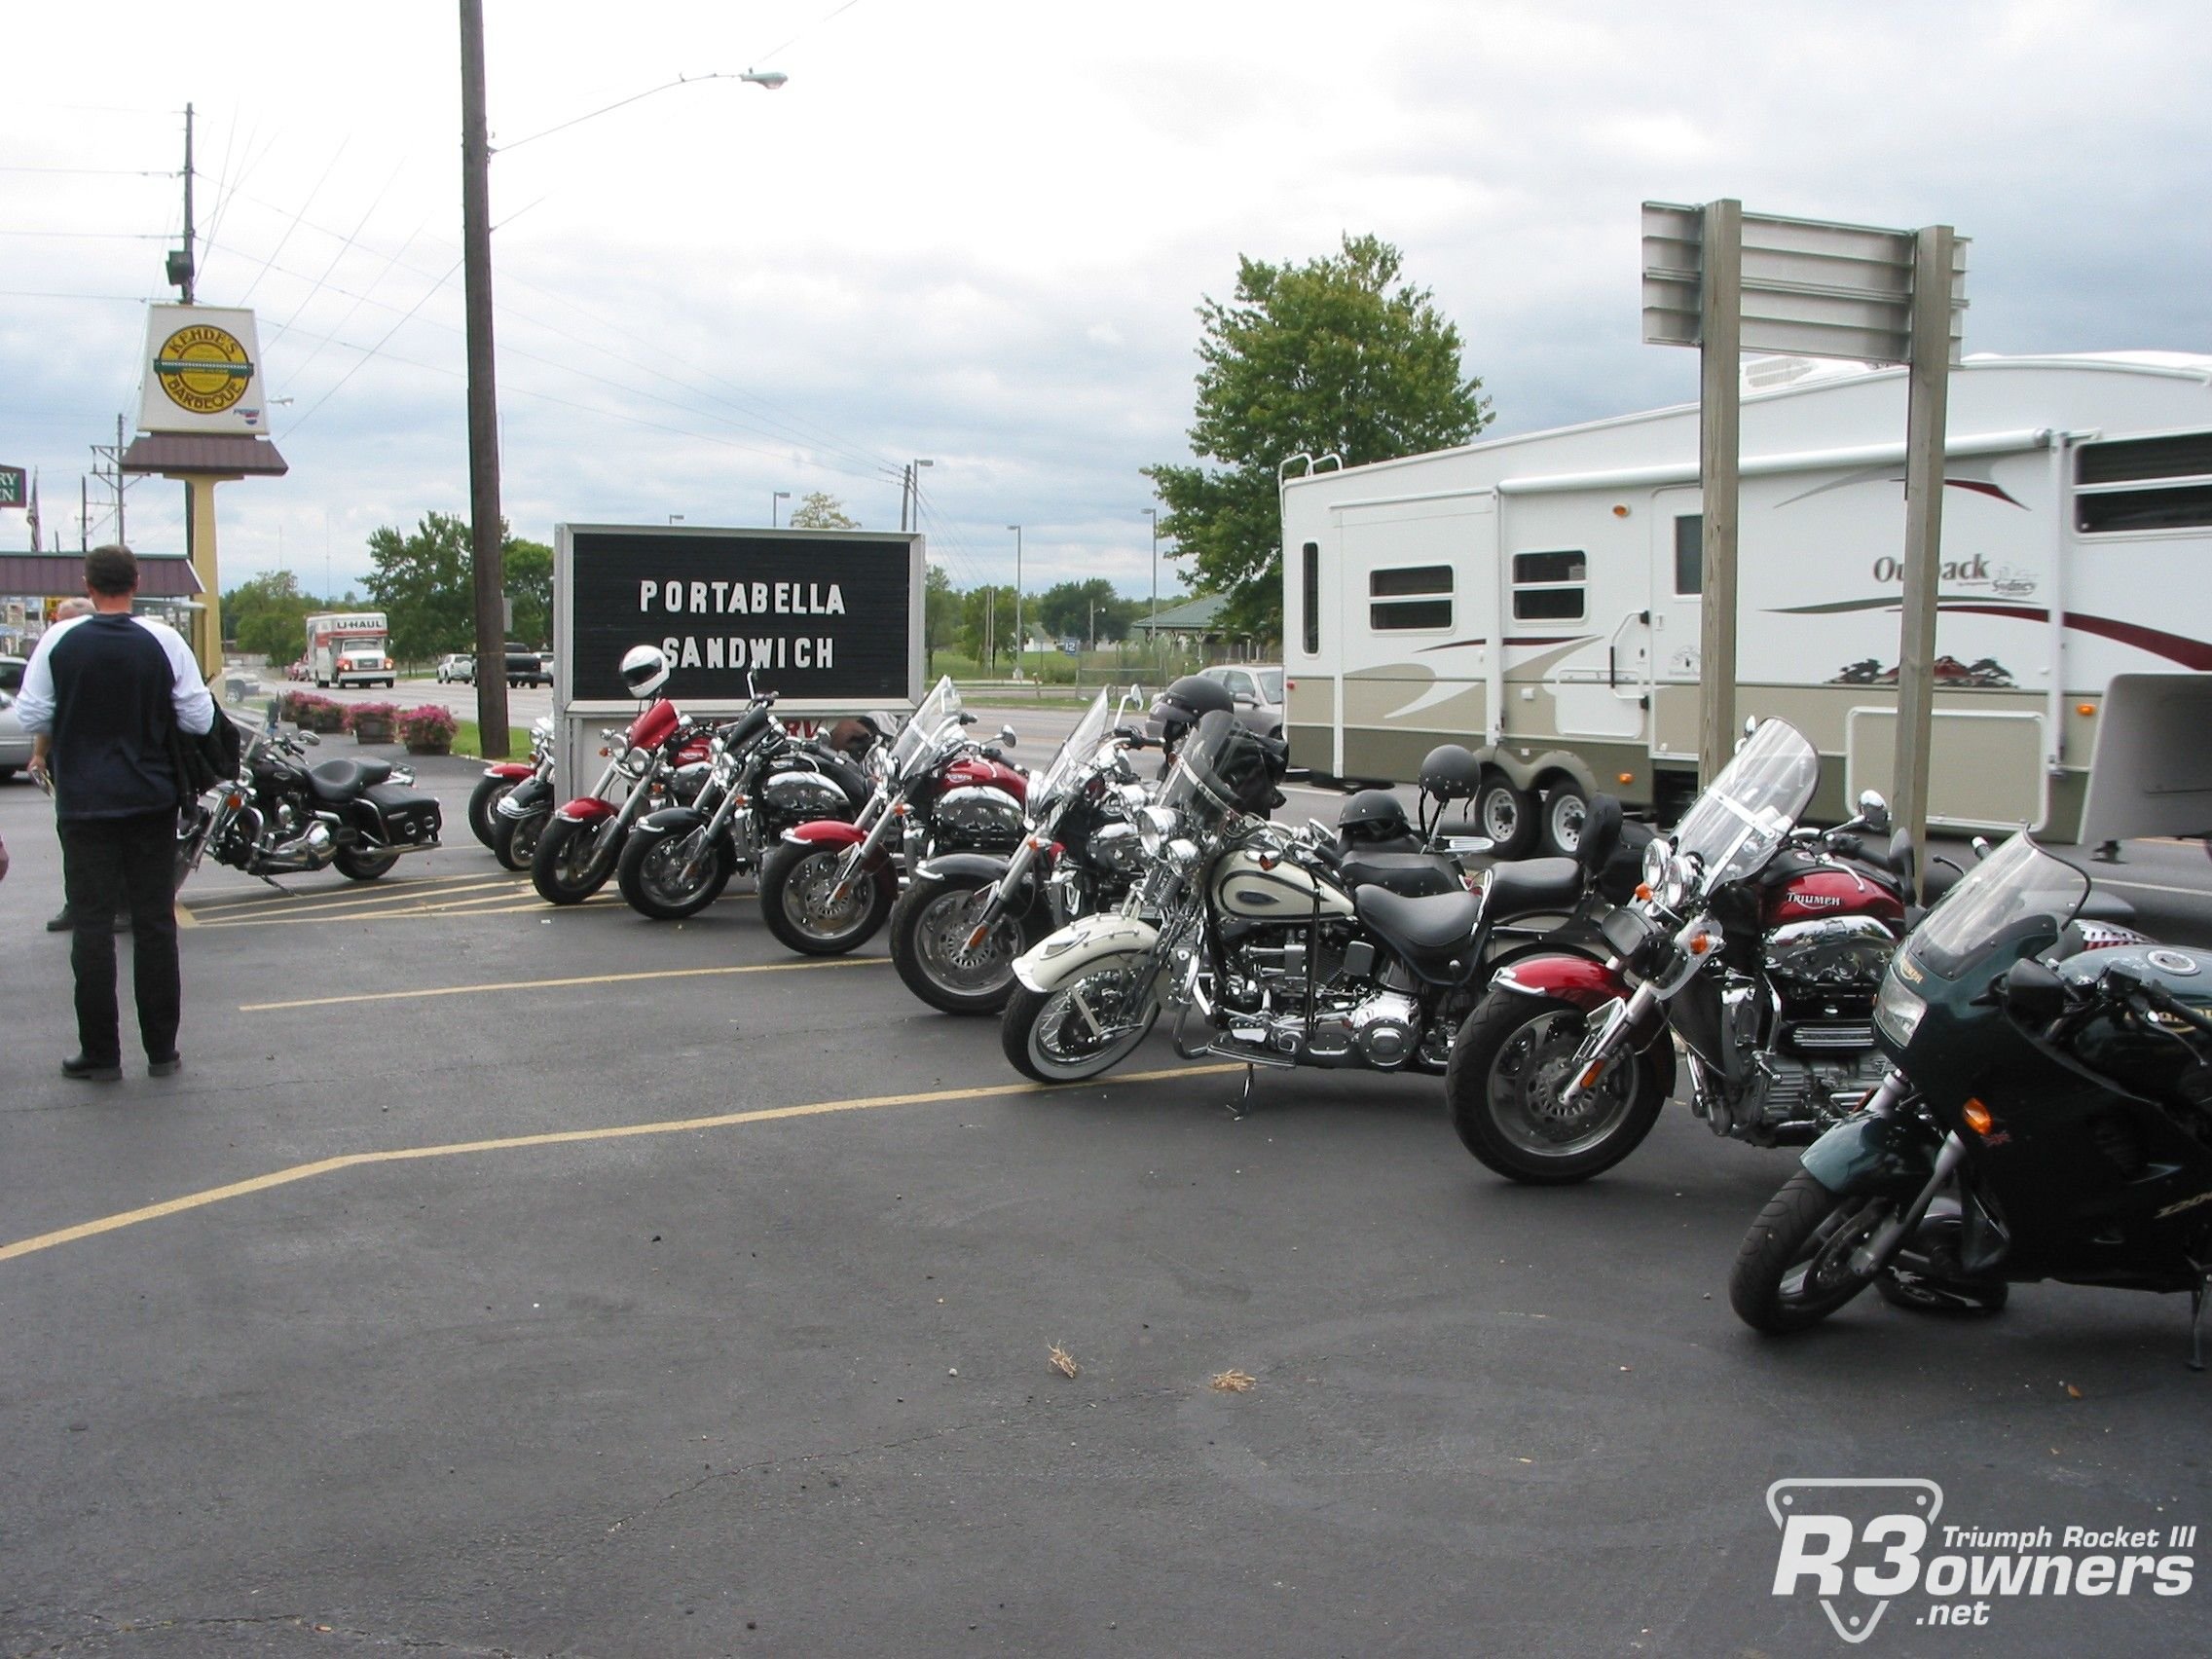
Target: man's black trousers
<point>110,866</point>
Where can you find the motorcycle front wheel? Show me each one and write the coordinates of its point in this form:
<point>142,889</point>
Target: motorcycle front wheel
<point>1508,1065</point>
<point>650,873</point>
<point>799,901</point>
<point>1082,1028</point>
<point>514,841</point>
<point>1794,1267</point>
<point>483,806</point>
<point>928,945</point>
<point>570,863</point>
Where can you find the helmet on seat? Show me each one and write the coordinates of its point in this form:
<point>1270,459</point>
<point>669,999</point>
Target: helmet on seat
<point>1187,701</point>
<point>1372,816</point>
<point>645,670</point>
<point>1450,772</point>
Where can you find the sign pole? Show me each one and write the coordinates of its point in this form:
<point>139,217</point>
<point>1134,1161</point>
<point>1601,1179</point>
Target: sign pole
<point>1927,409</point>
<point>1720,337</point>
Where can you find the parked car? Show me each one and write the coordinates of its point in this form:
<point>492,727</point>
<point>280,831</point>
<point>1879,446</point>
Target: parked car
<point>15,741</point>
<point>1258,689</point>
<point>526,668</point>
<point>457,668</point>
<point>298,670</point>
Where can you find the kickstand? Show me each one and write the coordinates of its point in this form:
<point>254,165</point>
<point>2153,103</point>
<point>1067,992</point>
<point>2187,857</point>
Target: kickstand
<point>1241,1107</point>
<point>279,886</point>
<point>2197,1318</point>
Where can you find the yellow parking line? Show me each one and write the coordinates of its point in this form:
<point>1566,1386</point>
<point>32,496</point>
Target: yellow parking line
<point>558,984</point>
<point>218,912</point>
<point>560,1137</point>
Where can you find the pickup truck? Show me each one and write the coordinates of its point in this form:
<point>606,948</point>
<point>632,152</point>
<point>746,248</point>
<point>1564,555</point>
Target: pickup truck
<point>526,666</point>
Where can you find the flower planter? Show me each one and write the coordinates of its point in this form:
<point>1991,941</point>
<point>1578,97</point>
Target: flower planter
<point>372,731</point>
<point>430,745</point>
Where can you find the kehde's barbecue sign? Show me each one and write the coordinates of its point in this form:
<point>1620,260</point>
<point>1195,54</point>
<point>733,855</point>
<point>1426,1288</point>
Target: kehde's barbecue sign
<point>829,620</point>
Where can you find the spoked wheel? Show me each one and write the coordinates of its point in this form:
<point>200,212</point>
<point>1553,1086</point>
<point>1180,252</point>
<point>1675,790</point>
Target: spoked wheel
<point>930,933</point>
<point>568,863</point>
<point>800,902</point>
<point>1794,1267</point>
<point>483,806</point>
<point>1510,1064</point>
<point>1082,1028</point>
<point>514,841</point>
<point>651,875</point>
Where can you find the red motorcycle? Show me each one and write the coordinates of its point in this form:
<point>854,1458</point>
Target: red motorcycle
<point>503,778</point>
<point>1759,945</point>
<point>660,760</point>
<point>831,884</point>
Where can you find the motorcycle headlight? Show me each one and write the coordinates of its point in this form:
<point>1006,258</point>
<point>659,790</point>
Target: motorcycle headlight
<point>1155,825</point>
<point>1898,1010</point>
<point>636,763</point>
<point>1656,854</point>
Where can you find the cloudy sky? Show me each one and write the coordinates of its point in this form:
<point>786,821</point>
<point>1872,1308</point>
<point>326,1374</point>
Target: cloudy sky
<point>977,231</point>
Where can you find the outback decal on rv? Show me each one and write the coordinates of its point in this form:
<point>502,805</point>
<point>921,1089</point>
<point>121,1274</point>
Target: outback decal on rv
<point>2174,648</point>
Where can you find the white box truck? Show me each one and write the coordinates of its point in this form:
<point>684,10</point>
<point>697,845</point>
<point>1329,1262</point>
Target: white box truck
<point>1538,598</point>
<point>349,647</point>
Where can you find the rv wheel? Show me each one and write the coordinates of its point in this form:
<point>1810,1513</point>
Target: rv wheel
<point>1565,809</point>
<point>1507,816</point>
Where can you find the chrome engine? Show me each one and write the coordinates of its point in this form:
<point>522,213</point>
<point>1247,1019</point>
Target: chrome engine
<point>1359,1018</point>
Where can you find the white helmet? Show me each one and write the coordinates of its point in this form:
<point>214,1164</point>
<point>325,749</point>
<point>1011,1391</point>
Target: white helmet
<point>645,670</point>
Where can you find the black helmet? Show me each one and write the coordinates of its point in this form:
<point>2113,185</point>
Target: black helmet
<point>1187,701</point>
<point>1370,815</point>
<point>1449,772</point>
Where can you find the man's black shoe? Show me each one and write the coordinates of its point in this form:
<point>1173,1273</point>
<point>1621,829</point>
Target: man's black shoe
<point>59,923</point>
<point>92,1071</point>
<point>168,1065</point>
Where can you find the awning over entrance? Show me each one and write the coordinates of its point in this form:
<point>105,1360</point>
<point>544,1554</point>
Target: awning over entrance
<point>51,575</point>
<point>213,455</point>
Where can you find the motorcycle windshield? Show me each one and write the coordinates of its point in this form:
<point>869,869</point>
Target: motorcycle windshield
<point>2018,892</point>
<point>1735,827</point>
<point>1074,754</point>
<point>1224,768</point>
<point>919,734</point>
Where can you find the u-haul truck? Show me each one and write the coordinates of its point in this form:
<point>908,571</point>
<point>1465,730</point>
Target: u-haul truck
<point>349,648</point>
<point>1538,598</point>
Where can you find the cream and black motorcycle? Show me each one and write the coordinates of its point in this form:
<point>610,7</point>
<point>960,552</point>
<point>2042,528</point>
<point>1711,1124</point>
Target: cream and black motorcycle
<point>1279,948</point>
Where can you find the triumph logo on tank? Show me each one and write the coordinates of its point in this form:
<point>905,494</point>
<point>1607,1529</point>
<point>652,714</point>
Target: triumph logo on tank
<point>1856,1545</point>
<point>716,599</point>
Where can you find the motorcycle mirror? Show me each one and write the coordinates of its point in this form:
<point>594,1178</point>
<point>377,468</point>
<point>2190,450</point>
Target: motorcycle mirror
<point>1006,736</point>
<point>2033,994</point>
<point>1874,809</point>
<point>965,718</point>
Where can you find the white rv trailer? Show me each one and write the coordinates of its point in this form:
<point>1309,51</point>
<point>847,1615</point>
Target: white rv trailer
<point>1538,598</point>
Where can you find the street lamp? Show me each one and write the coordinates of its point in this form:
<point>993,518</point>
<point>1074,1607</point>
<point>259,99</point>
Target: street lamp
<point>1153,631</point>
<point>778,496</point>
<point>675,518</point>
<point>488,577</point>
<point>1018,641</point>
<point>910,488</point>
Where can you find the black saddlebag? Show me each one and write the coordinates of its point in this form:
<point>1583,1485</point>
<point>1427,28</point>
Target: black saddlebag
<point>410,819</point>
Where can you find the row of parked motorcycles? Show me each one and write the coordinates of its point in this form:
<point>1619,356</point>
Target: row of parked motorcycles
<point>2007,1082</point>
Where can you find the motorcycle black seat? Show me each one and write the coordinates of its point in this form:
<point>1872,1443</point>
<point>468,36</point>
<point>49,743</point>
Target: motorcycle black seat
<point>1431,931</point>
<point>1534,885</point>
<point>343,780</point>
<point>1407,874</point>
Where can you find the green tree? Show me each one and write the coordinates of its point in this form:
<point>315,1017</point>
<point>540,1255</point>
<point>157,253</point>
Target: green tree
<point>265,614</point>
<point>986,625</point>
<point>529,568</point>
<point>821,511</point>
<point>1073,609</point>
<point>424,586</point>
<point>940,614</point>
<point>1337,356</point>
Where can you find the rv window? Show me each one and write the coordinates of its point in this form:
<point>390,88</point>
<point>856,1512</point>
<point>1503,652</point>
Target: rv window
<point>1689,554</point>
<point>1311,609</point>
<point>1547,587</point>
<point>1402,615</point>
<point>2143,483</point>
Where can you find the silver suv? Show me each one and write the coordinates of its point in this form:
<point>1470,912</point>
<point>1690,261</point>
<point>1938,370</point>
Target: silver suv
<point>1257,687</point>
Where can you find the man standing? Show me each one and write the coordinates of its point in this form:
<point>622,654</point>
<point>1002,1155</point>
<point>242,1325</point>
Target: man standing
<point>59,922</point>
<point>104,694</point>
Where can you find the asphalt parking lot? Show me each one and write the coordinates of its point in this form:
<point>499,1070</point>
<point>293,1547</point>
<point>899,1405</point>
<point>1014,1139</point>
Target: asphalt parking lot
<point>509,1281</point>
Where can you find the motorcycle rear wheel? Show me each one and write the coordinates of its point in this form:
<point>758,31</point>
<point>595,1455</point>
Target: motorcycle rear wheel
<point>1794,1267</point>
<point>1507,1064</point>
<point>359,866</point>
<point>515,839</point>
<point>797,884</point>
<point>1043,1033</point>
<point>649,871</point>
<point>928,931</point>
<point>567,866</point>
<point>483,806</point>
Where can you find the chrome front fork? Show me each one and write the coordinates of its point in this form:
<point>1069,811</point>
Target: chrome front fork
<point>1598,1050</point>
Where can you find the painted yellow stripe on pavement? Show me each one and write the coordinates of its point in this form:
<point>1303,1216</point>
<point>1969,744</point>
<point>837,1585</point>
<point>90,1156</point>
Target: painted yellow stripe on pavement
<point>324,905</point>
<point>343,897</point>
<point>557,1137</point>
<point>799,967</point>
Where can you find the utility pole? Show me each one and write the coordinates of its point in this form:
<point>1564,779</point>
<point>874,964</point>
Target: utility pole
<point>992,626</point>
<point>181,271</point>
<point>1018,641</point>
<point>84,515</point>
<point>485,522</point>
<point>1151,632</point>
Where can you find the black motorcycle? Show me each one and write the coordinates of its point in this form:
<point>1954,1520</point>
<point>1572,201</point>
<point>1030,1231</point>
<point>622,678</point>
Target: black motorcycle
<point>282,816</point>
<point>759,782</point>
<point>2049,1117</point>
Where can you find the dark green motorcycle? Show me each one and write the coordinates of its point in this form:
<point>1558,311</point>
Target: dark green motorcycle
<point>2049,1115</point>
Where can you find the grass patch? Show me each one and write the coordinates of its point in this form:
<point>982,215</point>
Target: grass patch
<point>468,740</point>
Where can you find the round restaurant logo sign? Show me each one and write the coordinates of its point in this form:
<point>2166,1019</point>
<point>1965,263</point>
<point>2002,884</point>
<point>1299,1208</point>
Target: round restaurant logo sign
<point>203,369</point>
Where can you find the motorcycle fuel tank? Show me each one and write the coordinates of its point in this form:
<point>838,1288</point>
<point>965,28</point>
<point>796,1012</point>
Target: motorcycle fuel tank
<point>976,771</point>
<point>1248,888</point>
<point>1828,891</point>
<point>651,728</point>
<point>803,795</point>
<point>976,816</point>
